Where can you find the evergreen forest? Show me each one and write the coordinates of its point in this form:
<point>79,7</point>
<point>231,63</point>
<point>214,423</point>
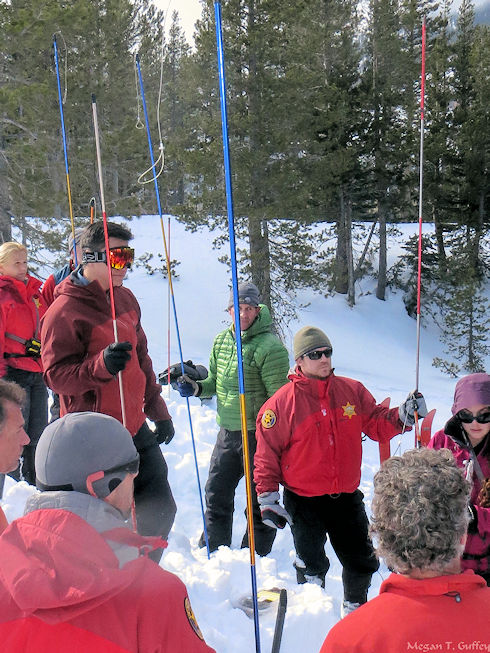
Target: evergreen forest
<point>324,125</point>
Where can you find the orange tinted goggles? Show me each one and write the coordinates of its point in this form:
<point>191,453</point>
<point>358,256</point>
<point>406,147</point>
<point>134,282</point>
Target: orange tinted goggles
<point>121,257</point>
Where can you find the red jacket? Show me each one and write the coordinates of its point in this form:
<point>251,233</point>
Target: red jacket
<point>48,289</point>
<point>90,603</point>
<point>75,331</point>
<point>309,435</point>
<point>53,280</point>
<point>476,554</point>
<point>3,521</point>
<point>21,307</point>
<point>446,613</point>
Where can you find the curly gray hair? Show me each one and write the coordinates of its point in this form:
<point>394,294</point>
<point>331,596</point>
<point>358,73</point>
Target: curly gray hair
<point>420,511</point>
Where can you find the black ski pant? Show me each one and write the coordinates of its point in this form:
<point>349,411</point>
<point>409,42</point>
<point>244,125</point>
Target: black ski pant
<point>225,472</point>
<point>343,518</point>
<point>35,413</point>
<point>154,503</point>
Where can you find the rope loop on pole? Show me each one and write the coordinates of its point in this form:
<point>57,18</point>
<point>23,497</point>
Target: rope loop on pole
<point>172,295</point>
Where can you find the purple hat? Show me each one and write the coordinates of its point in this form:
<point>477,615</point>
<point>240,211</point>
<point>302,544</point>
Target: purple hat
<point>471,390</point>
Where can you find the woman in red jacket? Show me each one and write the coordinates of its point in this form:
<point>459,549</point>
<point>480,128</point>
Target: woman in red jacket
<point>420,517</point>
<point>21,308</point>
<point>466,435</point>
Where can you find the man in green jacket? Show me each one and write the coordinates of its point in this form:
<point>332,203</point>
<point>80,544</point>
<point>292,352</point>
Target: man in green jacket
<point>265,368</point>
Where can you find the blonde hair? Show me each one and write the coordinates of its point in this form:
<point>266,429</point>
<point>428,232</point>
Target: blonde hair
<point>7,249</point>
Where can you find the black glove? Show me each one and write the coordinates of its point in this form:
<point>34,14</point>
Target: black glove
<point>414,402</point>
<point>187,387</point>
<point>116,355</point>
<point>473,523</point>
<point>195,372</point>
<point>164,431</point>
<point>454,429</point>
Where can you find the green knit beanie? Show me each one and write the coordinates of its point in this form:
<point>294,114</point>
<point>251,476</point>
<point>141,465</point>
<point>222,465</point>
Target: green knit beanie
<point>307,339</point>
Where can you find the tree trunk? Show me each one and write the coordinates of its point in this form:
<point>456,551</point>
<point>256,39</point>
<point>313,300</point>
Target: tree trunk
<point>341,267</point>
<point>260,258</point>
<point>439,231</point>
<point>5,223</point>
<point>364,251</point>
<point>381,287</point>
<point>351,296</point>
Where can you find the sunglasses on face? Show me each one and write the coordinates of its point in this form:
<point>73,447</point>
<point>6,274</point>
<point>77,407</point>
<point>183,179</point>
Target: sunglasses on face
<point>131,467</point>
<point>467,418</point>
<point>318,353</point>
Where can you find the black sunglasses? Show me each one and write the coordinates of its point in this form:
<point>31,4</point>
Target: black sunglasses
<point>318,353</point>
<point>131,467</point>
<point>467,418</point>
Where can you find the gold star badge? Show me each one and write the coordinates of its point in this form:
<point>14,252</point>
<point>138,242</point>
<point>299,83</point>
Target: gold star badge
<point>349,410</point>
<point>268,419</point>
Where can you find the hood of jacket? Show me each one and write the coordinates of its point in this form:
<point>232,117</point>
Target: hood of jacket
<point>58,566</point>
<point>98,513</point>
<point>20,290</point>
<point>261,324</point>
<point>91,292</point>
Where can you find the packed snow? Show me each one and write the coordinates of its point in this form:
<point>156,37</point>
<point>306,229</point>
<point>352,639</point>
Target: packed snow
<point>374,342</point>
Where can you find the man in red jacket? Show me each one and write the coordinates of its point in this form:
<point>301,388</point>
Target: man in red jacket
<point>73,574</point>
<point>13,437</point>
<point>82,364</point>
<point>420,518</point>
<point>309,439</point>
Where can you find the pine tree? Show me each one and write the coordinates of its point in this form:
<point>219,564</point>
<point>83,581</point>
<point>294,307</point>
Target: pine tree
<point>96,39</point>
<point>386,132</point>
<point>464,310</point>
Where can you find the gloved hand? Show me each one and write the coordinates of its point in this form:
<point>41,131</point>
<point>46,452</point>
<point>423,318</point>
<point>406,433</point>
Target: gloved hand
<point>414,402</point>
<point>164,431</point>
<point>187,387</point>
<point>116,355</point>
<point>455,430</point>
<point>273,514</point>
<point>195,372</point>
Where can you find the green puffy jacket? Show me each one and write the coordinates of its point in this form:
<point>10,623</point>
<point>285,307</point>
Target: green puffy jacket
<point>265,369</point>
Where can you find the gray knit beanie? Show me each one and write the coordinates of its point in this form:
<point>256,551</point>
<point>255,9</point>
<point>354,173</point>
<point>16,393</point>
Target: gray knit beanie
<point>307,339</point>
<point>80,444</point>
<point>248,293</point>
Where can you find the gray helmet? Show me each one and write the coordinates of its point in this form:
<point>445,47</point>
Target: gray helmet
<point>85,452</point>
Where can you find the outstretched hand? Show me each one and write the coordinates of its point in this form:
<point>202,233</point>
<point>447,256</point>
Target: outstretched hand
<point>414,403</point>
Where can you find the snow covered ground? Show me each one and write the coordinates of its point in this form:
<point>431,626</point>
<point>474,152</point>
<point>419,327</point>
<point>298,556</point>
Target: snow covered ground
<point>373,342</point>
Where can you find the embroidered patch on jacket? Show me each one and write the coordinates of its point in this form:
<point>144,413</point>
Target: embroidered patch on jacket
<point>349,410</point>
<point>192,619</point>
<point>268,419</point>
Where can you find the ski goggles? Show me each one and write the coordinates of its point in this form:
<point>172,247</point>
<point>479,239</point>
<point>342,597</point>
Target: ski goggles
<point>467,418</point>
<point>120,257</point>
<point>318,353</point>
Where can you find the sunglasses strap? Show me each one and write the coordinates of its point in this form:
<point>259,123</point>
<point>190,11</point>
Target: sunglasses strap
<point>94,257</point>
<point>476,463</point>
